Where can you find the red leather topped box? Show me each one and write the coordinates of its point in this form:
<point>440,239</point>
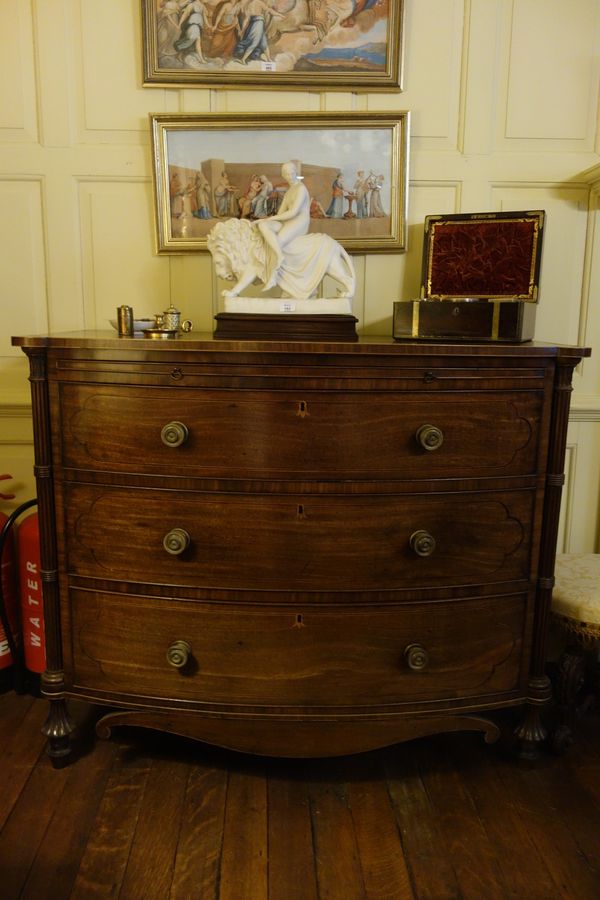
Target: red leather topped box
<point>480,272</point>
<point>493,256</point>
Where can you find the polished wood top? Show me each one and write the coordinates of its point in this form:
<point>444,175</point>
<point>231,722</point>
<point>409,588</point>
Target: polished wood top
<point>366,345</point>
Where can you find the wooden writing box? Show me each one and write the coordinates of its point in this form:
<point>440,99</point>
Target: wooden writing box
<point>479,280</point>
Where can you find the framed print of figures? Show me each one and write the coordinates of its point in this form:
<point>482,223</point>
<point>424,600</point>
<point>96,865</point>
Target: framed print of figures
<point>213,167</point>
<point>305,44</point>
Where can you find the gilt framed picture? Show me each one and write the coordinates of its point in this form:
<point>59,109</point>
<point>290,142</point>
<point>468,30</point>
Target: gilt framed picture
<point>302,44</point>
<point>218,166</point>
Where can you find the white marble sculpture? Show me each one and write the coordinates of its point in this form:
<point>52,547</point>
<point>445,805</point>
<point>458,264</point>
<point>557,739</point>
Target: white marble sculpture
<point>278,251</point>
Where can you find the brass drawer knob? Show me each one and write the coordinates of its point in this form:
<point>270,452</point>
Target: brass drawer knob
<point>178,654</point>
<point>422,543</point>
<point>430,437</point>
<point>176,541</point>
<point>174,434</point>
<point>417,657</point>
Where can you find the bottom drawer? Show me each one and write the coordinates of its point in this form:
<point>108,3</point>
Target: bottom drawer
<point>311,656</point>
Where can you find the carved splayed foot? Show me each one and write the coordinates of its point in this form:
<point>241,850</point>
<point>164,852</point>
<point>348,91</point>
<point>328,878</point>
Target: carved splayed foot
<point>58,729</point>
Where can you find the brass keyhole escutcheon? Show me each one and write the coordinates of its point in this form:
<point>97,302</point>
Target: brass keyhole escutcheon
<point>302,410</point>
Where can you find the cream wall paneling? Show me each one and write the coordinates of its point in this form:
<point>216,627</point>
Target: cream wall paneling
<point>16,454</point>
<point>549,75</point>
<point>22,276</point>
<point>588,383</point>
<point>56,77</point>
<point>579,526</point>
<point>480,74</point>
<point>478,172</point>
<point>383,285</point>
<point>63,244</point>
<point>193,290</point>
<point>433,53</point>
<point>112,105</point>
<point>563,543</point>
<point>18,101</point>
<point>280,101</point>
<point>17,459</point>
<point>119,266</point>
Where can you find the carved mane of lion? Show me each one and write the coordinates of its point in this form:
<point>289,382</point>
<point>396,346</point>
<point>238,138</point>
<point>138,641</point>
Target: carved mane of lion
<point>235,244</point>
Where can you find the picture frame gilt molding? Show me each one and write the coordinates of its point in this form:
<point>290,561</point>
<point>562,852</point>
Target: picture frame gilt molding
<point>344,45</point>
<point>210,167</point>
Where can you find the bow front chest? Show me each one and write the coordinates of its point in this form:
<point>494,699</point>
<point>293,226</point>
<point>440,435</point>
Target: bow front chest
<point>297,548</point>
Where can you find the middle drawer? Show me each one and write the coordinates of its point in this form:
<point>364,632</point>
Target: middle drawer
<point>298,542</point>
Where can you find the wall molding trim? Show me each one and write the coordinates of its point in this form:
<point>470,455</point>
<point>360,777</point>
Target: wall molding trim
<point>586,409</point>
<point>15,410</point>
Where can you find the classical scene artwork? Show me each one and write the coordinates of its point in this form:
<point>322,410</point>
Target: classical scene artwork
<point>348,43</point>
<point>354,173</point>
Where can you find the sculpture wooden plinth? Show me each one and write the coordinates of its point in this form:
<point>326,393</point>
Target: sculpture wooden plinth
<point>265,326</point>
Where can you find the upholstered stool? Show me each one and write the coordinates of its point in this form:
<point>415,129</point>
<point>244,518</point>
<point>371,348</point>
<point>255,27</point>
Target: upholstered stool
<point>576,608</point>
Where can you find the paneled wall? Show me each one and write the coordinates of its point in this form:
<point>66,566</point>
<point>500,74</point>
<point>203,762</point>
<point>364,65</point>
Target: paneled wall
<point>504,102</point>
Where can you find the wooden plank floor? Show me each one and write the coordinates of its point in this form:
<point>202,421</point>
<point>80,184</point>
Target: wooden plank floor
<point>147,816</point>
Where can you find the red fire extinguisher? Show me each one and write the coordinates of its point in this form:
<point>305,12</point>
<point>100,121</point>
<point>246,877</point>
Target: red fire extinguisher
<point>12,672</point>
<point>8,609</point>
<point>30,585</point>
<point>9,619</point>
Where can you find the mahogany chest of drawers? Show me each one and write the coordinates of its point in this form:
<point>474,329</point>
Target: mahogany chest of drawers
<point>297,549</point>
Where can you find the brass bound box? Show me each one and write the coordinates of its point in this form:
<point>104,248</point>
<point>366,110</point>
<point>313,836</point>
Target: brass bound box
<point>464,320</point>
<point>479,278</point>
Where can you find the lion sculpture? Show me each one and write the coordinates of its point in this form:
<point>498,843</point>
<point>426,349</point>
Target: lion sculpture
<point>240,254</point>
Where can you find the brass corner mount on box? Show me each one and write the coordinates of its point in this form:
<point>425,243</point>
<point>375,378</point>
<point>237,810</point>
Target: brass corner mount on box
<point>479,279</point>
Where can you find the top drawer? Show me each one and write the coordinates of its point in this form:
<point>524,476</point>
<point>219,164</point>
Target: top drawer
<point>287,434</point>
